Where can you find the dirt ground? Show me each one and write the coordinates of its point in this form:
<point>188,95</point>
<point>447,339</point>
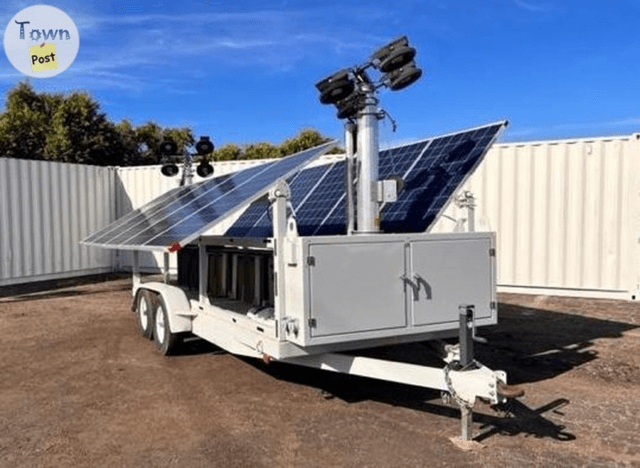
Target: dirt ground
<point>80,388</point>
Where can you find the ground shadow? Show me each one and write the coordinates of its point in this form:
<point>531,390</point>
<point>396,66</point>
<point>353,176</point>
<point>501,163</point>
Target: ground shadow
<point>192,346</point>
<point>530,344</point>
<point>63,287</point>
<point>534,344</point>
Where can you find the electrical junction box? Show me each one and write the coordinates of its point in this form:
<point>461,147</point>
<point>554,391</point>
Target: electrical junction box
<point>387,191</point>
<point>367,287</point>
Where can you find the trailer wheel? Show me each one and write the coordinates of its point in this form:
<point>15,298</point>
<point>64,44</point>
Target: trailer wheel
<point>166,342</point>
<point>145,314</point>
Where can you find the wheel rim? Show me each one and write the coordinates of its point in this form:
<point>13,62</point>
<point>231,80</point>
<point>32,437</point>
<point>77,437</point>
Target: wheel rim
<point>144,314</point>
<point>160,325</point>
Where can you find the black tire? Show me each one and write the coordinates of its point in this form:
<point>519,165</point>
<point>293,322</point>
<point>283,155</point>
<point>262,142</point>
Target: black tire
<point>144,313</point>
<point>165,340</point>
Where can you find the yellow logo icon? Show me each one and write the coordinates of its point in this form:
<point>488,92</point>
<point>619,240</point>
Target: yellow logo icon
<point>43,57</point>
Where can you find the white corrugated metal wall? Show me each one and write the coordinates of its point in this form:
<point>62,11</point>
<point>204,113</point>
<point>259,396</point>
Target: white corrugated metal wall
<point>566,214</point>
<point>46,208</point>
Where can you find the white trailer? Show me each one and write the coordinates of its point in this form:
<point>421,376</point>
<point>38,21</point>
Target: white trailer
<point>315,300</point>
<point>305,300</point>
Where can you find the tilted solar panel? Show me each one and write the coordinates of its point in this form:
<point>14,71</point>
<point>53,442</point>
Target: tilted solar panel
<point>182,214</point>
<point>256,220</point>
<point>433,178</point>
<point>432,170</point>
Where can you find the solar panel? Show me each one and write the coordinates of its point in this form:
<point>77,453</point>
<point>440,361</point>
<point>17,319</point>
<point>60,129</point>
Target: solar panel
<point>432,170</point>
<point>256,220</point>
<point>442,166</point>
<point>182,214</point>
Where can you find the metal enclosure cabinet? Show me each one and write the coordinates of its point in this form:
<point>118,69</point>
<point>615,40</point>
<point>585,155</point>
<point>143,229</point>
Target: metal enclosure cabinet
<point>345,289</point>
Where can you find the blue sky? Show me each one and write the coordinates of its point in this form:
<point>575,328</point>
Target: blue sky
<point>244,71</point>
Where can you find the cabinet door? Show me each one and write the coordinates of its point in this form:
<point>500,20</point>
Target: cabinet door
<point>356,287</point>
<point>448,274</point>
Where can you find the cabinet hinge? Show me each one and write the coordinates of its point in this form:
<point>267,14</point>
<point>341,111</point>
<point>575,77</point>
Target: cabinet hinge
<point>492,252</point>
<point>493,305</point>
<point>311,261</point>
<point>312,323</point>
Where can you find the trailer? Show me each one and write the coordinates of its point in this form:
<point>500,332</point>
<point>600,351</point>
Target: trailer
<point>315,301</point>
<point>309,263</point>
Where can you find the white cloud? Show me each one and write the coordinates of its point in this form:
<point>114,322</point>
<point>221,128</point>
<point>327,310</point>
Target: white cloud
<point>537,7</point>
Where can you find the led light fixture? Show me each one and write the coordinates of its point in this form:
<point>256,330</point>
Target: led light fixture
<point>336,87</point>
<point>204,147</point>
<point>404,76</point>
<point>167,150</point>
<point>394,55</point>
<point>348,88</point>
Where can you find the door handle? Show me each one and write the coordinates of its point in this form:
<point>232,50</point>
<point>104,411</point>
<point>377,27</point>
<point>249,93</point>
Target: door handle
<point>420,281</point>
<point>414,286</point>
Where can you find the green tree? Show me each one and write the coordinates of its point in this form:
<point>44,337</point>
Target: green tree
<point>228,152</point>
<point>261,151</point>
<point>23,125</point>
<point>79,133</point>
<point>71,128</point>
<point>304,140</point>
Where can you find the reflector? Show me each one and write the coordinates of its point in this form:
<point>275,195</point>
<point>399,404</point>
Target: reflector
<point>337,92</point>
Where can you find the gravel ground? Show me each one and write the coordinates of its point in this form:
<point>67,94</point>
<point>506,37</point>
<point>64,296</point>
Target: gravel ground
<point>80,388</point>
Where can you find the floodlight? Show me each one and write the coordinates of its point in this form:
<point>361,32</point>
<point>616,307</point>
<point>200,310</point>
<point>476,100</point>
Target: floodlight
<point>168,147</point>
<point>404,76</point>
<point>393,55</point>
<point>169,170</point>
<point>350,106</point>
<point>335,87</point>
<point>204,169</point>
<point>204,146</point>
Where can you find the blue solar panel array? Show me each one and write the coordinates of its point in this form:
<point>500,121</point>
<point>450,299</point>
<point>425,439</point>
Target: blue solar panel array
<point>432,171</point>
<point>256,220</point>
<point>182,214</point>
<point>442,166</point>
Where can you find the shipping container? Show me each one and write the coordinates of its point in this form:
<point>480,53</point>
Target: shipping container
<point>566,213</point>
<point>46,208</point>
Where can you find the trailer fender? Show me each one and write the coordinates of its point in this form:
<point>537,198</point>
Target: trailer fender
<point>176,302</point>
